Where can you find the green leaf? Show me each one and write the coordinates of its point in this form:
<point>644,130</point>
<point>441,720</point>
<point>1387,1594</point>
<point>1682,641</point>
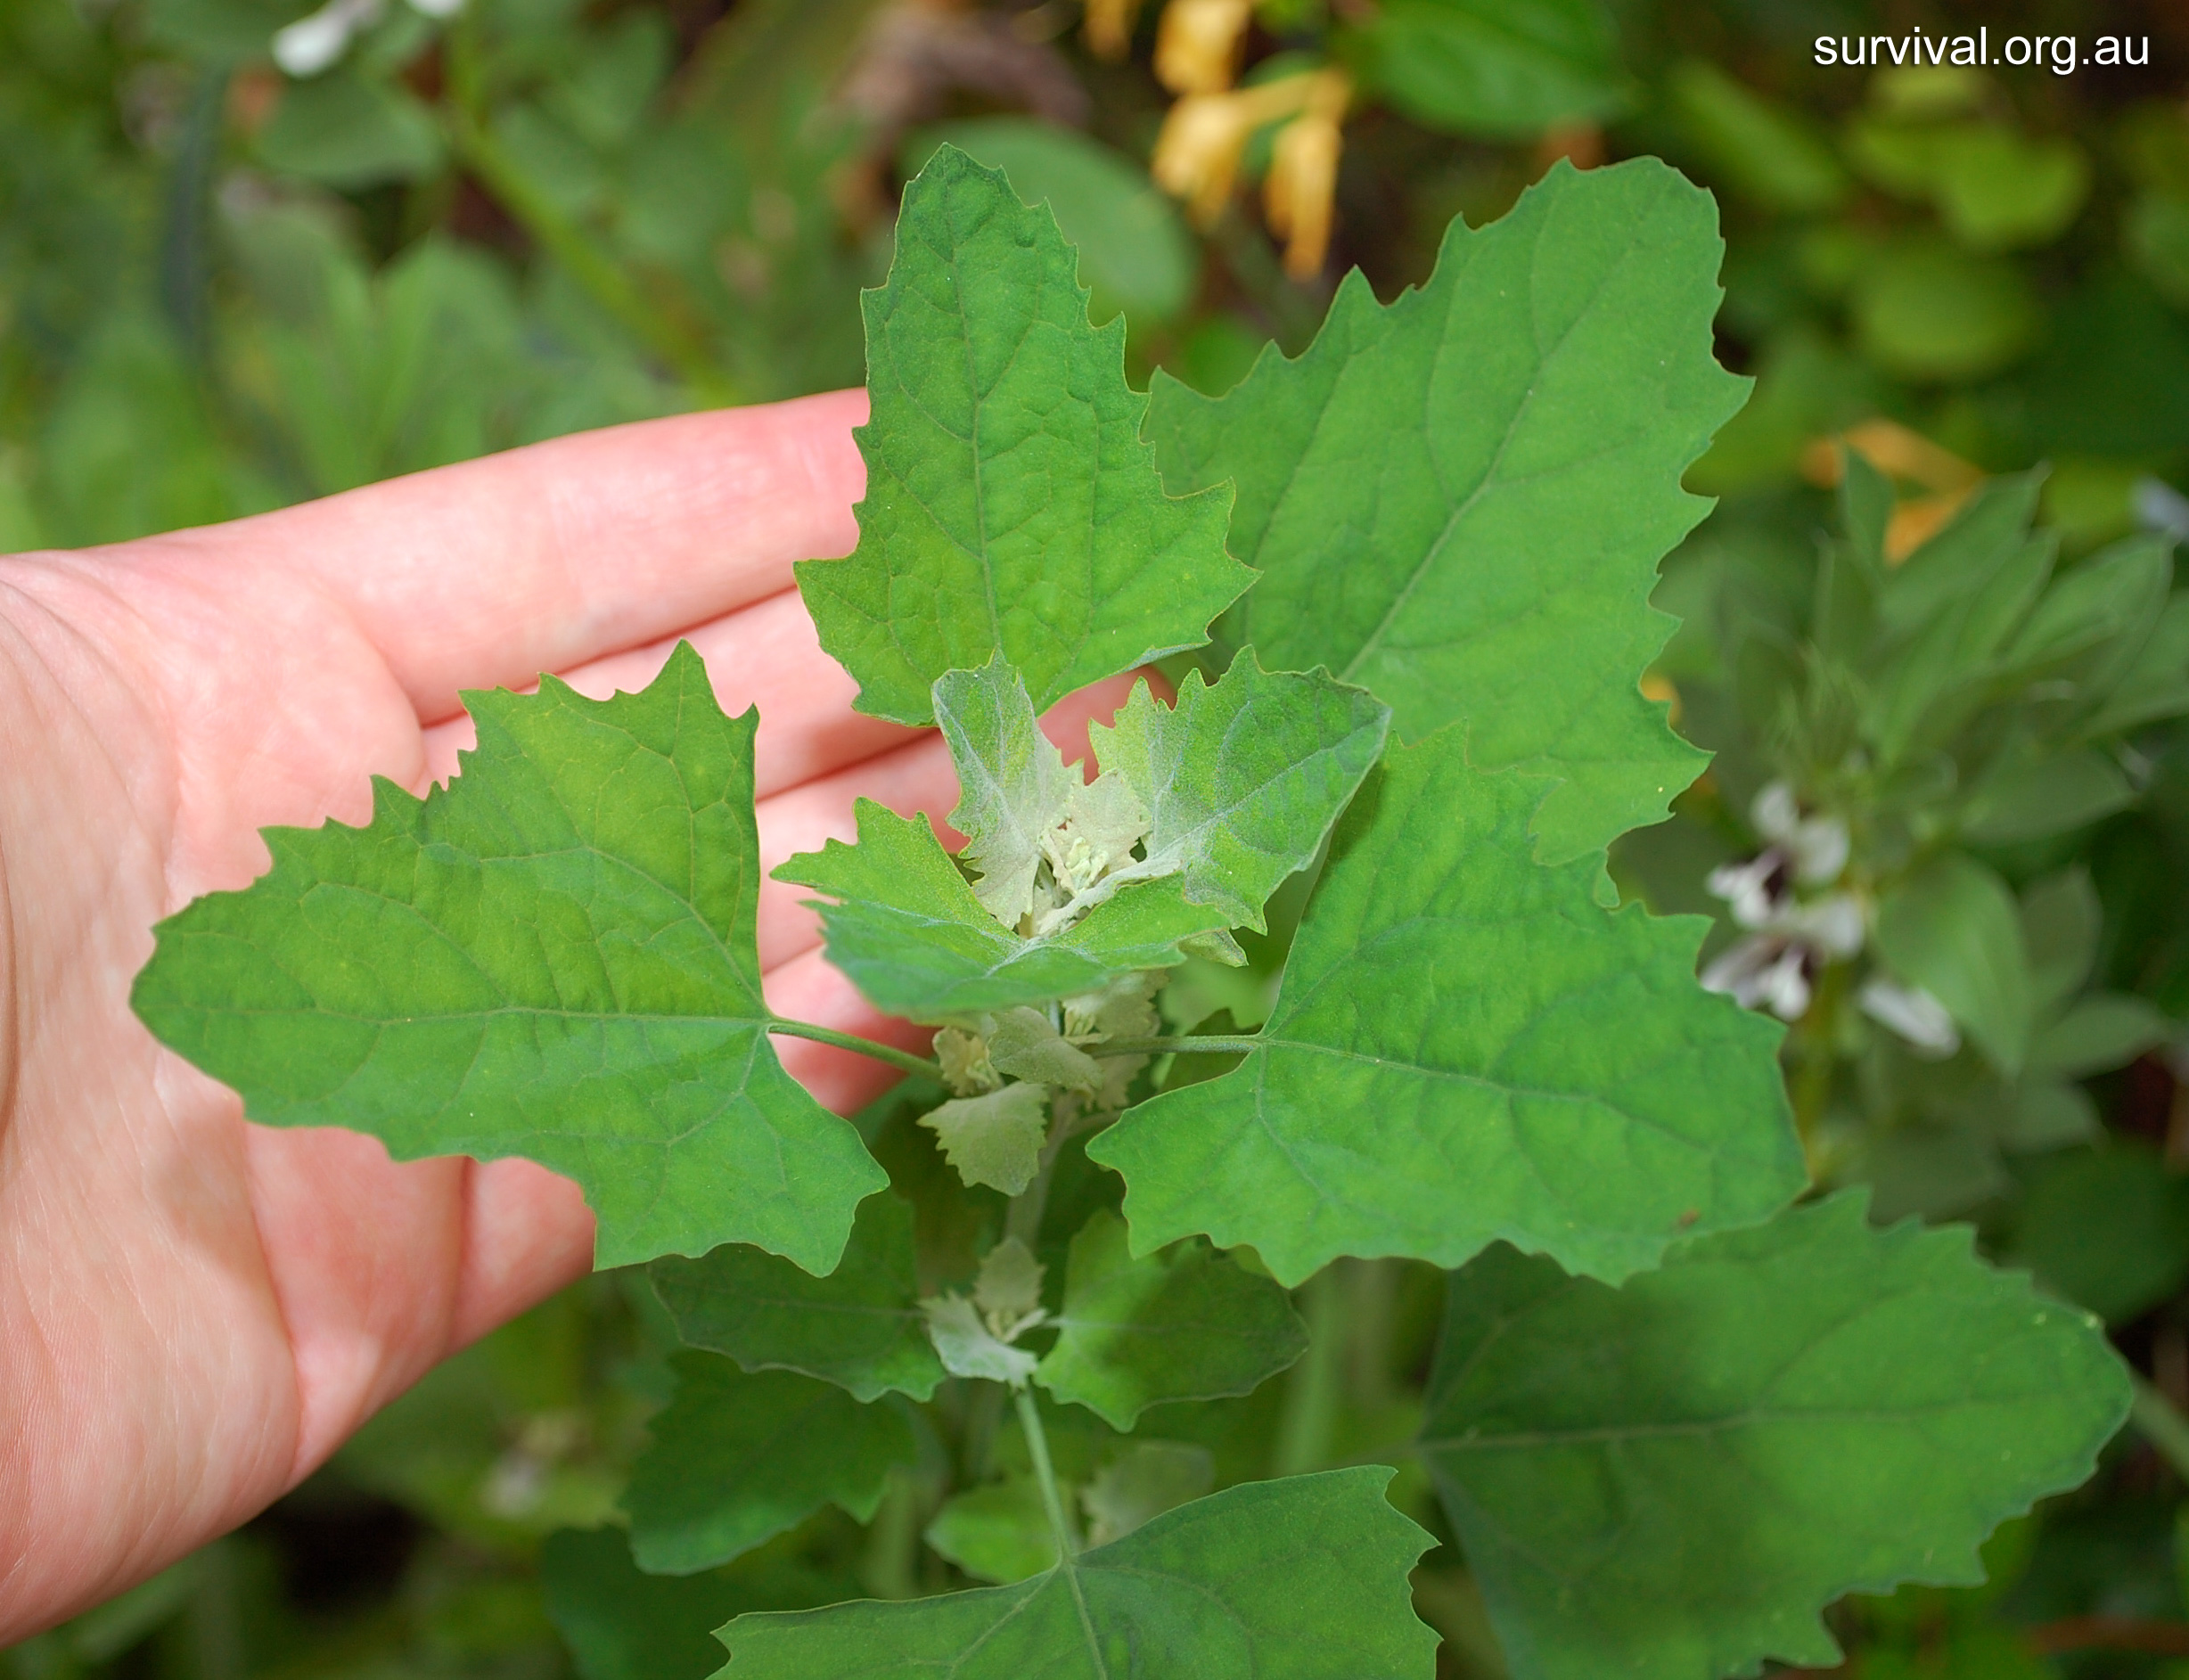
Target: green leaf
<point>1010,503</point>
<point>554,957</point>
<point>1148,1479</point>
<point>1762,149</point>
<point>2099,1034</point>
<point>1241,781</point>
<point>995,1138</point>
<point>1467,1046</point>
<point>622,1625</point>
<point>347,130</point>
<point>859,1327</point>
<point>1184,1324</point>
<point>1505,70</point>
<point>1299,1579</point>
<point>1134,252</point>
<point>996,1532</point>
<point>1925,310</point>
<point>739,1458</point>
<point>1669,1480</point>
<point>1952,928</point>
<point>2107,1228</point>
<point>912,936</point>
<point>1012,787</point>
<point>968,1347</point>
<point>1459,501</point>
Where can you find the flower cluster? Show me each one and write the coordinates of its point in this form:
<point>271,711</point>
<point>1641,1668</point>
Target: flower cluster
<point>1799,916</point>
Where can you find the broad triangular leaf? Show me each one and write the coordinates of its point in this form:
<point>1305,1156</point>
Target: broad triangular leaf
<point>552,956</point>
<point>1013,786</point>
<point>1241,781</point>
<point>859,1327</point>
<point>1011,503</point>
<point>1669,1480</point>
<point>1459,500</point>
<point>738,1458</point>
<point>1299,1579</point>
<point>1184,1324</point>
<point>1467,1046</point>
<point>909,932</point>
<point>622,1624</point>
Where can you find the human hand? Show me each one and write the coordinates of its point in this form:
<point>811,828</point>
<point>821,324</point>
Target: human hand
<point>194,1312</point>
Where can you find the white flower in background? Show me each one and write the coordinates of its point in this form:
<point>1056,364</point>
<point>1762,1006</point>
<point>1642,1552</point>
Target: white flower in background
<point>318,40</point>
<point>1789,937</point>
<point>1912,1013</point>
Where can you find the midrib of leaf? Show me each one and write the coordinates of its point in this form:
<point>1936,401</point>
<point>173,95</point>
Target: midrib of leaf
<point>1544,358</point>
<point>980,491</point>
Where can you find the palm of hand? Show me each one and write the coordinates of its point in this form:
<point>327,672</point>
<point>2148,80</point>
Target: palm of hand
<point>196,1311</point>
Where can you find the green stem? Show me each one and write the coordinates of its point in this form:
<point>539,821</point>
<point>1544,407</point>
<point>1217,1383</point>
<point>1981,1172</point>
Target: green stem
<point>562,238</point>
<point>2160,1423</point>
<point>1812,1081</point>
<point>1312,1392</point>
<point>1037,1448</point>
<point>1177,1047</point>
<point>852,1042</point>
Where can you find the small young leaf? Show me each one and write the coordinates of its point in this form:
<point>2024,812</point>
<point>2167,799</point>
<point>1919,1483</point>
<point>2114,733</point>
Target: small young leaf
<point>996,1532</point>
<point>1467,1046</point>
<point>1241,781</point>
<point>1459,500</point>
<point>737,1459</point>
<point>912,937</point>
<point>553,957</point>
<point>969,1348</point>
<point>1186,1325</point>
<point>1137,1486</point>
<point>1023,1043</point>
<point>996,1138</point>
<point>1013,786</point>
<point>859,1327</point>
<point>1010,1281</point>
<point>1299,1579</point>
<point>1778,1416</point>
<point>1011,505</point>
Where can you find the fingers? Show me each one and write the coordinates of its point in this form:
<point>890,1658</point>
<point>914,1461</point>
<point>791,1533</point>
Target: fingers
<point>487,573</point>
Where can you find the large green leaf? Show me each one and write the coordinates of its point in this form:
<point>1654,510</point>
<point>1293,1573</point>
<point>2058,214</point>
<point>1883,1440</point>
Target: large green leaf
<point>912,936</point>
<point>859,1327</point>
<point>1504,69</point>
<point>1241,781</point>
<point>554,957</point>
<point>1299,1579</point>
<point>1467,1046</point>
<point>1459,500</point>
<point>1669,1480</point>
<point>738,1458</point>
<point>1185,1324</point>
<point>1010,503</point>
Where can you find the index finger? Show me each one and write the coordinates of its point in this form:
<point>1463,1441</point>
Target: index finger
<point>485,574</point>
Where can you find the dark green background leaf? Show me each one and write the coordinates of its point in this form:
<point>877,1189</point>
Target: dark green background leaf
<point>1669,1480</point>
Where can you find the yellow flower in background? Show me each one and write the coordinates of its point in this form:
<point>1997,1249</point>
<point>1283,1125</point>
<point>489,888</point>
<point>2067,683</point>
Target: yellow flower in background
<point>1197,154</point>
<point>1109,28</point>
<point>1197,45</point>
<point>1302,186</point>
<point>1906,455</point>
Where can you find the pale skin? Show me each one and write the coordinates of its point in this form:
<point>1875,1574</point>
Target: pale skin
<point>195,1311</point>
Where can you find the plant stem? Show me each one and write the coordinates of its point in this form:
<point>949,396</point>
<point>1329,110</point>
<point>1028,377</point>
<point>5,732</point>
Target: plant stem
<point>1176,1046</point>
<point>2160,1423</point>
<point>1311,1393</point>
<point>562,238</point>
<point>1037,1448</point>
<point>852,1042</point>
<point>1811,1086</point>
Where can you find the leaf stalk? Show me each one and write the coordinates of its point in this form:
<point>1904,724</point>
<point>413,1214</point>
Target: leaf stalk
<point>857,1046</point>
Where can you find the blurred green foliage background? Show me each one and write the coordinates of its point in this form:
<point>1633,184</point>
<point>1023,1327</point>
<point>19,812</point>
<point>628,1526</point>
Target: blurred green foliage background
<point>252,253</point>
